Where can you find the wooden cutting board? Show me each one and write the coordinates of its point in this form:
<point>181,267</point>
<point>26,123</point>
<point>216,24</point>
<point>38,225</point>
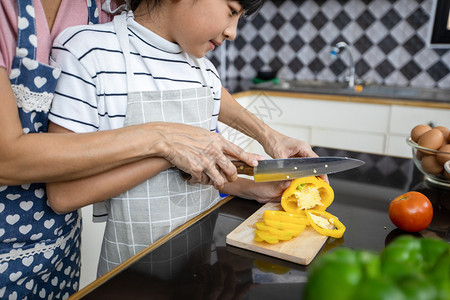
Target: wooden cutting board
<point>301,249</point>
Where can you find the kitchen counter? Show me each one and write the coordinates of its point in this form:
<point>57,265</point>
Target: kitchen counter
<point>195,262</point>
<point>369,90</point>
<point>369,93</point>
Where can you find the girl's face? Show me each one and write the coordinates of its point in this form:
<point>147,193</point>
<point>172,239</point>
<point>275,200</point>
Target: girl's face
<point>198,26</point>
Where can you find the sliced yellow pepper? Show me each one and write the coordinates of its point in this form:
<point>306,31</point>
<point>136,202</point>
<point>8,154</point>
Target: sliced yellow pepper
<point>283,235</point>
<point>283,216</point>
<point>284,225</point>
<point>265,236</point>
<point>339,230</point>
<point>307,193</point>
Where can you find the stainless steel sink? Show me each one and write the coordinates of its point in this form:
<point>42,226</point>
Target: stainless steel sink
<point>364,90</point>
<point>388,91</point>
<point>313,84</point>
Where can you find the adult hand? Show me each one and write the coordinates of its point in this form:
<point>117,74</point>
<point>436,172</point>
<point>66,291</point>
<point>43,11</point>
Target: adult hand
<point>205,155</point>
<point>282,146</point>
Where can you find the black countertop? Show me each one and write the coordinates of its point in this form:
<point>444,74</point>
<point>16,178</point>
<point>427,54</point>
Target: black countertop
<point>198,264</point>
<point>341,89</point>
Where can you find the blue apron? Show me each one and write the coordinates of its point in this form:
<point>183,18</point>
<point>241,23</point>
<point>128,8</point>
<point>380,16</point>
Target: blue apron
<point>39,249</point>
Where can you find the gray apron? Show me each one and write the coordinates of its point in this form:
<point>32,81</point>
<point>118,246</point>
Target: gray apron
<point>151,210</point>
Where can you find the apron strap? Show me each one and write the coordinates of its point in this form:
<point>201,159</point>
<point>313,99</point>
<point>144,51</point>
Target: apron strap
<point>26,29</point>
<point>120,25</point>
<point>92,12</point>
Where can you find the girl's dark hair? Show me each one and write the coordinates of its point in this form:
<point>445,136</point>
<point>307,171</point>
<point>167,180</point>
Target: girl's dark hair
<point>250,6</point>
<point>151,4</point>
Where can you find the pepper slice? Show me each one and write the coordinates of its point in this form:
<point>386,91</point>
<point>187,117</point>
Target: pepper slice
<point>283,235</point>
<point>307,193</point>
<point>278,215</point>
<point>265,236</point>
<point>284,225</point>
<point>339,230</point>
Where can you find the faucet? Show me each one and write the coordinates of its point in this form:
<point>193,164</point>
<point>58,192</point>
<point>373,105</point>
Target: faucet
<point>351,73</point>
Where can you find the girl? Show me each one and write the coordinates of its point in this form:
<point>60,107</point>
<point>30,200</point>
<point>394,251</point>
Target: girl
<point>149,66</point>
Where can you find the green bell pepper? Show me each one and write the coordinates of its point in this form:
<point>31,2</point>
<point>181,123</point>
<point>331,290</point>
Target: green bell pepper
<point>408,268</point>
<point>337,274</point>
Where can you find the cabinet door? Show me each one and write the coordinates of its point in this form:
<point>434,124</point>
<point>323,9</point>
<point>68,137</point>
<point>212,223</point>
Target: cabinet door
<point>339,115</point>
<point>349,140</point>
<point>404,118</point>
<point>397,146</point>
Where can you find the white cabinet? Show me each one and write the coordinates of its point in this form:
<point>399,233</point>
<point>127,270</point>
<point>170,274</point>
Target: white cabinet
<point>344,124</point>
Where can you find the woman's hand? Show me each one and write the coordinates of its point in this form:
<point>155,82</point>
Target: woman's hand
<point>203,154</point>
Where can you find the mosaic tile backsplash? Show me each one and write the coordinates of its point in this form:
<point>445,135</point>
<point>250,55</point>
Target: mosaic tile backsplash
<point>388,40</point>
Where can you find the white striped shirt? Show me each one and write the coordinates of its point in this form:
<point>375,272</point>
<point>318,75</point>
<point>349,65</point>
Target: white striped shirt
<point>91,94</point>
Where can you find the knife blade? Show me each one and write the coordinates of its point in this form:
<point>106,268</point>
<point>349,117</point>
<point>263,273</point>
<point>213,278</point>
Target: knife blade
<point>292,168</point>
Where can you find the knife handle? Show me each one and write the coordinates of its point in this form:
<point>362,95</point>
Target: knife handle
<point>241,167</point>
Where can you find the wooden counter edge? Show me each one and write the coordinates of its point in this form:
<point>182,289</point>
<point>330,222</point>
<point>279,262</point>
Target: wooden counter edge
<point>101,280</point>
<point>346,98</point>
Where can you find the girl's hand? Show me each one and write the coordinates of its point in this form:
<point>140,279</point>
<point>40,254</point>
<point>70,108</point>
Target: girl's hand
<point>282,146</point>
<point>262,192</point>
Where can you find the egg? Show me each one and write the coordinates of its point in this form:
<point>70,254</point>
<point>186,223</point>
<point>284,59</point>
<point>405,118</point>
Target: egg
<point>431,165</point>
<point>445,132</point>
<point>431,139</point>
<point>420,154</point>
<point>443,157</point>
<point>418,130</point>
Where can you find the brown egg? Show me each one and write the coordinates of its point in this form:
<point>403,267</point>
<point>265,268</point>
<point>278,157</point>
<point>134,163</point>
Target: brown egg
<point>431,139</point>
<point>418,130</point>
<point>431,165</point>
<point>443,157</point>
<point>445,132</point>
<point>420,154</point>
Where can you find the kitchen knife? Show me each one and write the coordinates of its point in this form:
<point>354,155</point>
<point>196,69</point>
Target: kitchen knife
<point>292,168</point>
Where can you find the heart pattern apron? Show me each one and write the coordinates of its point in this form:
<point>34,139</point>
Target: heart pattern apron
<point>39,249</point>
<point>151,210</point>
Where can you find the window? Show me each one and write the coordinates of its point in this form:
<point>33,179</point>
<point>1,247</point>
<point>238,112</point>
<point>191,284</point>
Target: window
<point>440,35</point>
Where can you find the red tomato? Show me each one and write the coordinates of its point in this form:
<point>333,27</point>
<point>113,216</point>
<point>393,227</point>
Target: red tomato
<point>411,211</point>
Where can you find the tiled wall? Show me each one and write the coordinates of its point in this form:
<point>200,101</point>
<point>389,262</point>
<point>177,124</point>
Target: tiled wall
<point>388,40</point>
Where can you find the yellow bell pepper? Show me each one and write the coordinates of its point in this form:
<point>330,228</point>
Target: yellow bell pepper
<point>265,236</point>
<point>285,226</point>
<point>278,215</point>
<point>279,226</point>
<point>307,193</point>
<point>320,220</point>
<point>283,235</point>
